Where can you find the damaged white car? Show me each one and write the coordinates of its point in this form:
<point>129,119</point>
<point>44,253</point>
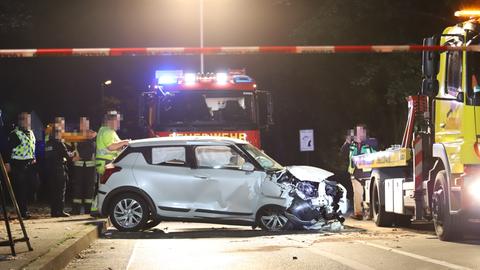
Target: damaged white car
<point>215,180</point>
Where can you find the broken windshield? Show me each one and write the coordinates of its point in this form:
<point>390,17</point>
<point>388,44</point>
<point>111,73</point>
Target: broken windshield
<point>209,107</point>
<point>263,159</point>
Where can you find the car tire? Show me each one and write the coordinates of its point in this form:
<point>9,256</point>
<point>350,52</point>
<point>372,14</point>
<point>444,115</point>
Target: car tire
<point>129,212</point>
<point>447,227</point>
<point>379,215</point>
<point>272,219</point>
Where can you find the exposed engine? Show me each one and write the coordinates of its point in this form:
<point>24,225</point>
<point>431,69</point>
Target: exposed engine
<point>312,204</point>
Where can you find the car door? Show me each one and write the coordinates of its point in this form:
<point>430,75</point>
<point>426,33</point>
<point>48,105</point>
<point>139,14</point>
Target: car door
<point>166,175</point>
<point>223,189</point>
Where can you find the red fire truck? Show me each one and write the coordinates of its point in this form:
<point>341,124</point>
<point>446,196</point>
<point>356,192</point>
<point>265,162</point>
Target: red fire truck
<point>224,104</point>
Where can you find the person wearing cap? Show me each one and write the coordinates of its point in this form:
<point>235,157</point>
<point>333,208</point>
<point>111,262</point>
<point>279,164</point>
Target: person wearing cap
<point>108,145</point>
<point>83,183</point>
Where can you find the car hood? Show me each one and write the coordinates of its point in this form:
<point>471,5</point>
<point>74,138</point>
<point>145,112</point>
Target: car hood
<point>308,173</point>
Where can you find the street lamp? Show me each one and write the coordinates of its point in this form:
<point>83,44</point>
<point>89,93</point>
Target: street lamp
<point>102,93</point>
<point>202,65</point>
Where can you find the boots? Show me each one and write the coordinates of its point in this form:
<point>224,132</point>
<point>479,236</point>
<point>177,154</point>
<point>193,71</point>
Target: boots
<point>76,209</point>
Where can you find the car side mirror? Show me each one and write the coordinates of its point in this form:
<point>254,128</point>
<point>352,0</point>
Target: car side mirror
<point>248,167</point>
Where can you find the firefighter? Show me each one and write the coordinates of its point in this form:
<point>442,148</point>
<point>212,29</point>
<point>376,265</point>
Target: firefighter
<point>84,169</point>
<point>358,145</point>
<point>108,145</point>
<point>56,157</point>
<point>22,159</point>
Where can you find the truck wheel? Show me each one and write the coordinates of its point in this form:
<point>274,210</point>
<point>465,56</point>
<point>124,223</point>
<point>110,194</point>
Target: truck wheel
<point>447,227</point>
<point>379,216</point>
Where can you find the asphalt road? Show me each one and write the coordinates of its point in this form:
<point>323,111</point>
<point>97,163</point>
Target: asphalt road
<point>360,246</point>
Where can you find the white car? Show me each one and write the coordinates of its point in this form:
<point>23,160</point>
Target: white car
<point>215,180</point>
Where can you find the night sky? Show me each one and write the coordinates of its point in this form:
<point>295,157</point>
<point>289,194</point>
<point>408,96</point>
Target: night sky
<point>329,93</point>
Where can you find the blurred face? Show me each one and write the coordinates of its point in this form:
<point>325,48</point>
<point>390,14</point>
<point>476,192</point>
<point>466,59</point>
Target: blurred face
<point>84,124</point>
<point>114,122</point>
<point>60,123</point>
<point>58,130</point>
<point>25,120</point>
<point>361,133</point>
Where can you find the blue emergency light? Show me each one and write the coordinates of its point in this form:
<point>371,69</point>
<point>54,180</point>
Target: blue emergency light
<point>168,76</point>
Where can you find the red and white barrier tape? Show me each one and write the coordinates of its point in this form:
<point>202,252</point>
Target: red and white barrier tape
<point>164,51</point>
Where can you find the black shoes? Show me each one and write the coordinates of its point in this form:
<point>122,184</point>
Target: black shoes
<point>26,215</point>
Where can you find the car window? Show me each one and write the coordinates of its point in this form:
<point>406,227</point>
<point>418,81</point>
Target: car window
<point>218,157</point>
<point>174,156</point>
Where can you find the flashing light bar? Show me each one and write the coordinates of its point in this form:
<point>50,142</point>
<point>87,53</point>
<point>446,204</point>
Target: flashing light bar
<point>190,78</point>
<point>467,13</point>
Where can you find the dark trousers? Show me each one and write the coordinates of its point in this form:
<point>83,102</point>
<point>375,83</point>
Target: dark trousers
<point>22,181</point>
<point>83,186</point>
<point>58,180</point>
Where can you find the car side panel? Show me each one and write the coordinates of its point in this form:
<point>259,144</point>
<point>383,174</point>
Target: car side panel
<point>170,187</point>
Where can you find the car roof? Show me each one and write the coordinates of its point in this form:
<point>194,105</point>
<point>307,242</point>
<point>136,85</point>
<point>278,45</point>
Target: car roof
<point>185,140</point>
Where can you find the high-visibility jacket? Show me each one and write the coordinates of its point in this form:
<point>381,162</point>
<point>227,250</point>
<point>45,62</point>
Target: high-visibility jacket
<point>105,137</point>
<point>354,151</point>
<point>25,150</point>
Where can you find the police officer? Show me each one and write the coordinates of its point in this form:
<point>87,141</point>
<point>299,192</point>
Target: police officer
<point>108,145</point>
<point>56,156</point>
<point>358,145</point>
<point>84,169</point>
<point>22,158</point>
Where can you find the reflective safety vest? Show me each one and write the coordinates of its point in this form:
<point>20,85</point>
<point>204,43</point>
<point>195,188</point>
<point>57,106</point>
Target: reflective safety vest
<point>105,137</point>
<point>26,149</point>
<point>364,149</point>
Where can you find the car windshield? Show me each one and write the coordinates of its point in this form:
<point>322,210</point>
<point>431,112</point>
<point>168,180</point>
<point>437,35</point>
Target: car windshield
<point>263,159</point>
<point>207,107</point>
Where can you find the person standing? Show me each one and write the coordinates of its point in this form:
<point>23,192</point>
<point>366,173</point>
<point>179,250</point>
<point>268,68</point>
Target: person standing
<point>21,161</point>
<point>56,157</point>
<point>358,145</point>
<point>84,169</point>
<point>108,146</point>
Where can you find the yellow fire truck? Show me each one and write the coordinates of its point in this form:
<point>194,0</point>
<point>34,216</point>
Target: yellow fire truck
<point>435,173</point>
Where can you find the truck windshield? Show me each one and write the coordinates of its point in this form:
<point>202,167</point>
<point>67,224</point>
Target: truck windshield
<point>263,159</point>
<point>209,108</point>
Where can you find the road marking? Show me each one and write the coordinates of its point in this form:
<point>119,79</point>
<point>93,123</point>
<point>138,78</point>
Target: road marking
<point>132,256</point>
<point>416,256</point>
<point>342,260</point>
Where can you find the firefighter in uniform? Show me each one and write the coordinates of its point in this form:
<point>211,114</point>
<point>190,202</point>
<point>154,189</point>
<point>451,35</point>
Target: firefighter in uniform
<point>358,145</point>
<point>108,145</point>
<point>22,159</point>
<point>84,169</point>
<point>56,157</point>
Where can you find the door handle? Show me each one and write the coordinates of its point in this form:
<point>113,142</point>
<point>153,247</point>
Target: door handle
<point>201,177</point>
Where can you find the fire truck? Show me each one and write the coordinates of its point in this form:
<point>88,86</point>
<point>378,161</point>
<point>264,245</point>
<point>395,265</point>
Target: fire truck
<point>226,104</point>
<point>434,175</point>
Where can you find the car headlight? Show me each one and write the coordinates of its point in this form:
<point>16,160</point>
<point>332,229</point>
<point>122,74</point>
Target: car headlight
<point>474,190</point>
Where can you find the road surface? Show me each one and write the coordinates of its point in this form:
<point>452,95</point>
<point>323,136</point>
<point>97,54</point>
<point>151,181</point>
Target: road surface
<point>360,246</point>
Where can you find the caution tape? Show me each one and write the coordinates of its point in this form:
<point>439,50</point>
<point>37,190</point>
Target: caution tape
<point>165,51</point>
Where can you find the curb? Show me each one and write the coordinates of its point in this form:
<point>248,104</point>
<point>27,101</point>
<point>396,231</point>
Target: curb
<point>59,256</point>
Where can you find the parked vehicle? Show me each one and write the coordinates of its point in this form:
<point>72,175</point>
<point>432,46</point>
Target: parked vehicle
<point>215,180</point>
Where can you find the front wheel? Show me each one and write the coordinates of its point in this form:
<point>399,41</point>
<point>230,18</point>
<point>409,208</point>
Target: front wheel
<point>129,212</point>
<point>272,219</point>
<point>447,227</point>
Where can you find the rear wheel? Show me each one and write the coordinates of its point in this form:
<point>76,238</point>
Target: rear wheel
<point>447,227</point>
<point>272,219</point>
<point>379,216</point>
<point>129,212</point>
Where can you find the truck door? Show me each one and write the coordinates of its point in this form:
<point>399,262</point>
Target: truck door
<point>449,103</point>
